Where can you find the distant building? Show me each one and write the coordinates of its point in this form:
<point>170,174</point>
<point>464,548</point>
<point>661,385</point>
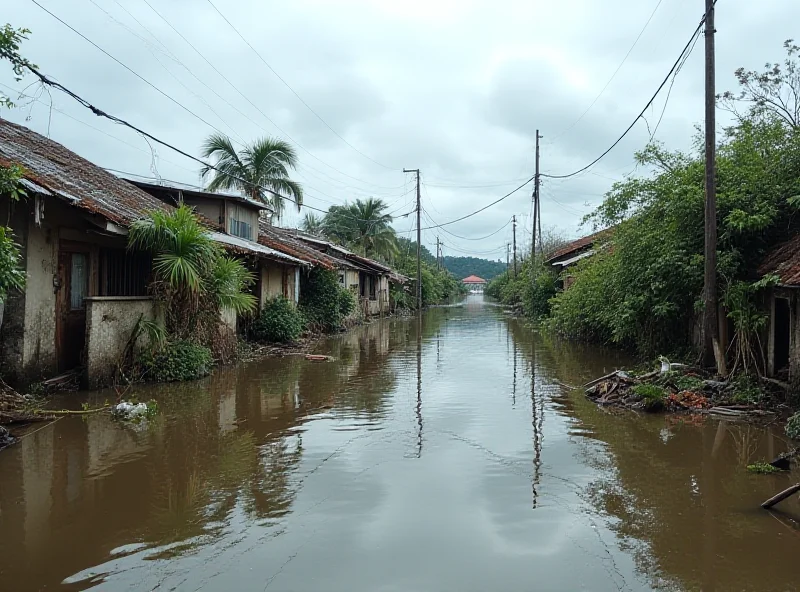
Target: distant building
<point>474,283</point>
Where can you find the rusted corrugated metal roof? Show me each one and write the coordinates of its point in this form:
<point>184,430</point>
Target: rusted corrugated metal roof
<point>52,167</point>
<point>577,245</point>
<point>784,261</point>
<point>281,240</point>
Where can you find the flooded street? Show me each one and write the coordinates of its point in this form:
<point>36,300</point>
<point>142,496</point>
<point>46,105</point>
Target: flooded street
<point>434,455</point>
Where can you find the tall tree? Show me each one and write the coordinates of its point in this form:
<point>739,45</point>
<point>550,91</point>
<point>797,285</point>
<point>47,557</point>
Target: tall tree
<point>256,170</point>
<point>363,225</point>
<point>313,224</point>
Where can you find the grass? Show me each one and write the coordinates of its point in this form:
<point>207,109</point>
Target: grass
<point>652,395</point>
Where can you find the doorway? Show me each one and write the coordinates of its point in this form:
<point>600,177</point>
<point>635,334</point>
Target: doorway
<point>782,335</point>
<point>73,275</point>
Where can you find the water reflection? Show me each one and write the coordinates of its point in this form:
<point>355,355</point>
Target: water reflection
<point>286,474</point>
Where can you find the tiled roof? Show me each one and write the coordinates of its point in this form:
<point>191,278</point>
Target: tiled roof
<point>577,245</point>
<point>174,187</point>
<point>784,261</point>
<point>473,279</point>
<point>281,240</point>
<point>52,169</point>
<point>246,247</point>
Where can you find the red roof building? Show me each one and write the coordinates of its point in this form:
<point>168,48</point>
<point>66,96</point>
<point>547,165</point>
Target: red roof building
<point>473,280</point>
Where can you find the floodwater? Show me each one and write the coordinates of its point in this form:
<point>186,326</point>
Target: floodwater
<point>439,454</point>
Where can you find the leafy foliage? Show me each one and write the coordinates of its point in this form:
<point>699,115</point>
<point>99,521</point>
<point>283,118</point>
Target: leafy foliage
<point>347,302</point>
<point>646,291</point>
<point>176,361</point>
<point>793,426</point>
<point>279,321</point>
<point>438,285</point>
<point>762,468</point>
<point>12,277</point>
<point>462,267</point>
<point>193,276</point>
<point>10,41</point>
<point>312,224</point>
<point>259,167</point>
<point>364,226</point>
<point>321,300</point>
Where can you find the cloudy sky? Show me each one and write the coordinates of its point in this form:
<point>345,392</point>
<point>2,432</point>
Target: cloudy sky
<point>456,88</point>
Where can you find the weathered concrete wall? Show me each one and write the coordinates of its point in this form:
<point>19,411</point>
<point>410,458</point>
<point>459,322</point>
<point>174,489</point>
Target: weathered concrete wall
<point>272,280</point>
<point>228,318</point>
<point>351,281</point>
<point>110,321</point>
<point>39,349</point>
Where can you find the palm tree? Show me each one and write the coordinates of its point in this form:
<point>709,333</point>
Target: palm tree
<point>191,272</point>
<point>257,170</point>
<point>364,226</point>
<point>313,224</point>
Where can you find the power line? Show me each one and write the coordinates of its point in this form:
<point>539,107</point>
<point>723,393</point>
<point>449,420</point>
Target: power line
<point>646,107</point>
<point>465,237</point>
<point>256,107</point>
<point>294,92</point>
<point>100,113</point>
<point>627,55</point>
<point>139,76</point>
<point>486,207</point>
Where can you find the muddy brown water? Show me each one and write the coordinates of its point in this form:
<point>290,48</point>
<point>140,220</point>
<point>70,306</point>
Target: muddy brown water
<point>439,454</point>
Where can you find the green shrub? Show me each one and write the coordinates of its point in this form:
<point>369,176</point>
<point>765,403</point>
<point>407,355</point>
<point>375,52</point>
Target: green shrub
<point>652,395</point>
<point>279,322</point>
<point>793,426</point>
<point>747,391</point>
<point>176,361</point>
<point>320,301</point>
<point>347,302</point>
<point>762,468</point>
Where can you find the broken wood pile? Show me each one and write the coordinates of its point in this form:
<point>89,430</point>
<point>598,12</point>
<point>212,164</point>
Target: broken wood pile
<point>674,388</point>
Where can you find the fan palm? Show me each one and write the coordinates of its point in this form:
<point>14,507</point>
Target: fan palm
<point>191,270</point>
<point>364,226</point>
<point>257,170</point>
<point>313,224</point>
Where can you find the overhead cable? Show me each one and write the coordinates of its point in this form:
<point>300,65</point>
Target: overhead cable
<point>646,107</point>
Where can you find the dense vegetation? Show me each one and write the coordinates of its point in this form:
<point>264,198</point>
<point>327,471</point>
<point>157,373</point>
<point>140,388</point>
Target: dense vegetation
<point>323,302</point>
<point>280,321</point>
<point>462,267</point>
<point>438,285</point>
<point>645,293</point>
<point>176,361</point>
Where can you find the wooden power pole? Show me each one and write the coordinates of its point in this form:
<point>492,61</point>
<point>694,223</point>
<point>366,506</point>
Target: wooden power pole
<point>508,247</point>
<point>514,239</point>
<point>438,254</point>
<point>419,242</point>
<point>711,347</point>
<point>536,216</point>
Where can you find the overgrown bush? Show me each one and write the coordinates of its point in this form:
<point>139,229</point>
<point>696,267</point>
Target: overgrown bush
<point>320,300</point>
<point>279,322</point>
<point>347,302</point>
<point>762,468</point>
<point>746,390</point>
<point>176,361</point>
<point>793,426</point>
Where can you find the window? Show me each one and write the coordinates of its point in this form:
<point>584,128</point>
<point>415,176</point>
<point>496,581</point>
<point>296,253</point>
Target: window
<point>241,229</point>
<point>123,273</point>
<point>79,280</point>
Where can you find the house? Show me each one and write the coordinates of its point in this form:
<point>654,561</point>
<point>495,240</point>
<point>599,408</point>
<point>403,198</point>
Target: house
<point>234,221</point>
<point>783,305</point>
<point>568,255</point>
<point>474,283</point>
<point>366,278</point>
<point>85,292</point>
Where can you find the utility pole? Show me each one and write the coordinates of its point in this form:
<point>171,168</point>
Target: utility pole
<point>711,347</point>
<point>508,255</point>
<point>514,235</point>
<point>536,215</point>
<point>438,255</point>
<point>419,242</point>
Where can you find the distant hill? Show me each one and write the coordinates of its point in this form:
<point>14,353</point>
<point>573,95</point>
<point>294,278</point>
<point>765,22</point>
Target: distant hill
<point>462,267</point>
